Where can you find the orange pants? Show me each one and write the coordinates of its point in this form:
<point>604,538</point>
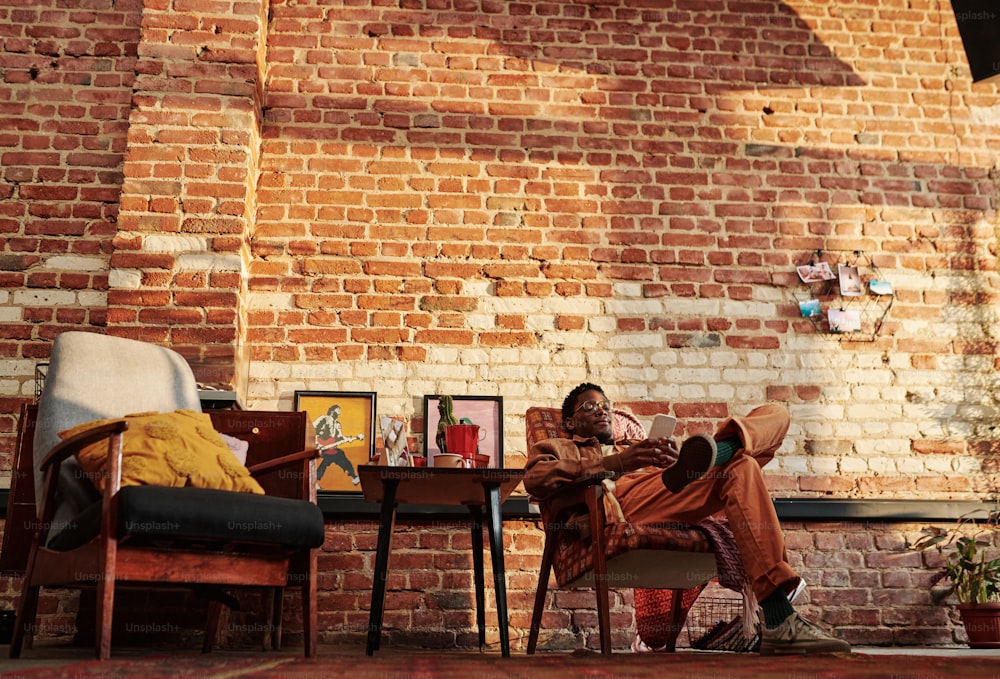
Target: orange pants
<point>735,489</point>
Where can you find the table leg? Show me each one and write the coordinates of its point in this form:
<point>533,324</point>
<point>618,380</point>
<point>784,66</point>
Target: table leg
<point>387,522</point>
<point>494,524</point>
<point>477,560</point>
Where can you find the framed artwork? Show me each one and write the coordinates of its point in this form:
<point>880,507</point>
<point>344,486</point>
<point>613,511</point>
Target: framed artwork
<point>345,434</point>
<point>485,411</point>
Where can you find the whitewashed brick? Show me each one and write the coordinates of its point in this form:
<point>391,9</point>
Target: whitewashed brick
<point>12,387</point>
<point>210,262</point>
<point>856,465</point>
<point>721,392</point>
<point>940,464</point>
<point>12,367</point>
<point>744,393</point>
<point>540,322</point>
<point>663,359</point>
<point>824,465</point>
<point>476,356</point>
<point>910,466</point>
<point>804,412</point>
<point>44,298</point>
<point>571,357</point>
<point>175,243</point>
<point>700,377</point>
<point>968,466</point>
<point>626,289</point>
<point>693,359</point>
<point>567,339</point>
<point>271,301</point>
<point>870,412</point>
<point>725,359</point>
<point>693,392</point>
<point>509,375</point>
<point>124,279</point>
<point>10,314</point>
<point>747,308</point>
<point>820,429</point>
<point>602,324</point>
<point>531,305</point>
<point>634,307</point>
<point>665,390</point>
<point>737,376</point>
<point>416,388</point>
<point>904,429</point>
<point>76,263</point>
<point>92,298</point>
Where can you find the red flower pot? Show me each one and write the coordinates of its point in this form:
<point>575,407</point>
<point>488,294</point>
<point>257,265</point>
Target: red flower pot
<point>982,624</point>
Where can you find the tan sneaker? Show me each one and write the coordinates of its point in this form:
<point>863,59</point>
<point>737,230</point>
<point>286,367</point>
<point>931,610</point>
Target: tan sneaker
<point>798,636</point>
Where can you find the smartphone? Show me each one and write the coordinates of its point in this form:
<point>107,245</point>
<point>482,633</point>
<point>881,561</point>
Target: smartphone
<point>663,426</point>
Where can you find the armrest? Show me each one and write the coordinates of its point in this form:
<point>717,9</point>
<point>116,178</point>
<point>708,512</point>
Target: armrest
<point>283,461</point>
<point>572,493</point>
<point>74,444</point>
<point>583,482</point>
<point>299,482</point>
<point>586,491</point>
<point>49,467</point>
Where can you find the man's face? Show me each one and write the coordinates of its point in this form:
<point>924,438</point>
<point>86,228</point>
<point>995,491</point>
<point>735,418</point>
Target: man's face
<point>592,417</point>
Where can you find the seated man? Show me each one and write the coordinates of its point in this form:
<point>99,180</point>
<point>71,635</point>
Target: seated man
<point>657,483</point>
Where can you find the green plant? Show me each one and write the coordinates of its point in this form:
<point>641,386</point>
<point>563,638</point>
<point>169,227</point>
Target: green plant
<point>974,576</point>
<point>446,411</point>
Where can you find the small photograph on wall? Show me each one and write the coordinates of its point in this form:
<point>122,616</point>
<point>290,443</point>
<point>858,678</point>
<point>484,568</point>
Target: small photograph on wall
<point>345,434</point>
<point>810,308</point>
<point>850,280</point>
<point>394,448</point>
<point>815,272</point>
<point>844,320</point>
<point>880,287</point>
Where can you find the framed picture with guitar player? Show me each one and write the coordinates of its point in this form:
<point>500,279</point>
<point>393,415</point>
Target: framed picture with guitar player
<point>345,435</point>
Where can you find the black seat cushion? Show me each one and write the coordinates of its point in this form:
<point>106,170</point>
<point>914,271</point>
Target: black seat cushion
<point>203,514</point>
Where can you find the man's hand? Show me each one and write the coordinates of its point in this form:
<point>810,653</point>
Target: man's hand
<point>650,453</point>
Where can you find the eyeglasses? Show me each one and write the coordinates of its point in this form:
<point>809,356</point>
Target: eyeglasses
<point>591,406</point>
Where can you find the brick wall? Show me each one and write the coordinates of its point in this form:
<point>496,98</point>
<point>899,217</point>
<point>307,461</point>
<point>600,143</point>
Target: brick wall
<point>507,198</point>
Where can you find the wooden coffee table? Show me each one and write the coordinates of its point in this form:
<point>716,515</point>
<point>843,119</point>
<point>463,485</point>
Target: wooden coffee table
<point>474,488</point>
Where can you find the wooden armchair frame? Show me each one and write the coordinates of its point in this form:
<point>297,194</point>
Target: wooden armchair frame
<point>106,562</point>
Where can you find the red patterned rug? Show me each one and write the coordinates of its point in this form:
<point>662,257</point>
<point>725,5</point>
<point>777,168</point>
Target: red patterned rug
<point>397,663</point>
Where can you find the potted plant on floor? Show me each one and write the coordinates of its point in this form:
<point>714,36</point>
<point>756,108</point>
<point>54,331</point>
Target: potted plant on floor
<point>973,569</point>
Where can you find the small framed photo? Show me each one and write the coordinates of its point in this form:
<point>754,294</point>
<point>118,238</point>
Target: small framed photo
<point>485,411</point>
<point>345,434</point>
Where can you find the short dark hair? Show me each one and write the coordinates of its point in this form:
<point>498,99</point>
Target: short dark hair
<point>569,404</point>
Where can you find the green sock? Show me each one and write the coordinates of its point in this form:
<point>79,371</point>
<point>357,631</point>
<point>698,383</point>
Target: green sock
<point>776,608</point>
<point>726,449</point>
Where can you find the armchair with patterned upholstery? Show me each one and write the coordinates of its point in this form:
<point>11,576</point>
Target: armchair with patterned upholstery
<point>668,566</point>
